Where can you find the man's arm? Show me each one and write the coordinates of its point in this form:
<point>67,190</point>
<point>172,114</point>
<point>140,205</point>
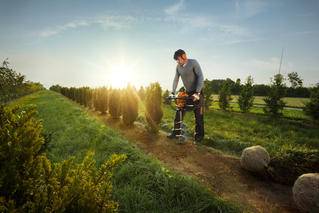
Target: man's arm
<point>200,77</point>
<point>175,82</point>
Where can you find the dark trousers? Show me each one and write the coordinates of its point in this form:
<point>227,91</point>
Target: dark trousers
<point>199,117</point>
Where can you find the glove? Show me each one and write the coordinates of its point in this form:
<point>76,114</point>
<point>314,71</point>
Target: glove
<point>171,96</point>
<point>195,96</point>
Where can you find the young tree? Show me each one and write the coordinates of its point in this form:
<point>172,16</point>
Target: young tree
<point>100,99</point>
<point>295,80</point>
<point>312,107</point>
<point>141,93</point>
<point>165,97</point>
<point>225,96</point>
<point>274,102</point>
<point>208,92</point>
<point>115,107</point>
<point>129,105</point>
<point>153,106</point>
<point>246,97</point>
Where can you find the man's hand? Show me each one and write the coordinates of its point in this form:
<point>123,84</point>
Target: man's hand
<point>196,96</point>
<point>171,96</point>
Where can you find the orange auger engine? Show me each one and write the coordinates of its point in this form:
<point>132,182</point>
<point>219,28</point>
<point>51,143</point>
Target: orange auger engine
<point>181,99</point>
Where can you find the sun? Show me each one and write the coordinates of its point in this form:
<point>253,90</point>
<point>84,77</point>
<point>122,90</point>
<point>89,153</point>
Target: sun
<point>122,74</point>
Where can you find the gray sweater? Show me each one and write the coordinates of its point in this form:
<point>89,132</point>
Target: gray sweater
<point>191,75</point>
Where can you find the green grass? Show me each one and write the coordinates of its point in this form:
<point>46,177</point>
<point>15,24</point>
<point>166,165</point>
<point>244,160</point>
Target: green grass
<point>294,110</point>
<point>234,131</point>
<point>141,184</point>
<point>290,101</point>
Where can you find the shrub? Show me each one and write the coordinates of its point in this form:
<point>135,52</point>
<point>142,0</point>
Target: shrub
<point>312,107</point>
<point>246,96</point>
<point>30,183</point>
<point>289,164</point>
<point>153,106</point>
<point>224,96</point>
<point>274,102</point>
<point>115,103</point>
<point>129,106</point>
<point>14,85</point>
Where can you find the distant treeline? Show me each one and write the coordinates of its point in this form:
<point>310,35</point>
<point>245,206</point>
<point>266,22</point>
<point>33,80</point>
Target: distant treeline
<point>258,89</point>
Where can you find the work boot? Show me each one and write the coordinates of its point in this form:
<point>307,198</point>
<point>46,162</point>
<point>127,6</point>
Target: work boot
<point>198,140</point>
<point>172,136</point>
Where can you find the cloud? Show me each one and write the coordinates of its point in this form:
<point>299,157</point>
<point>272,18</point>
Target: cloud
<point>114,22</point>
<point>250,8</point>
<point>175,8</point>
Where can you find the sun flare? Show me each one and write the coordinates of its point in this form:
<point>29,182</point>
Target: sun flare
<point>122,74</point>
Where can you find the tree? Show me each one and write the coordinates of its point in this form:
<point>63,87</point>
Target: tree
<point>165,97</point>
<point>312,107</point>
<point>141,93</point>
<point>5,63</point>
<point>153,106</point>
<point>129,105</point>
<point>208,92</point>
<point>295,80</point>
<point>100,99</point>
<point>225,96</point>
<point>115,109</point>
<point>236,87</point>
<point>246,97</point>
<point>274,102</point>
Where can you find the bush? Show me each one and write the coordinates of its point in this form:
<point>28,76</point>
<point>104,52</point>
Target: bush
<point>225,96</point>
<point>30,183</point>
<point>129,106</point>
<point>14,85</point>
<point>312,107</point>
<point>246,97</point>
<point>274,102</point>
<point>115,103</point>
<point>153,106</point>
<point>289,164</point>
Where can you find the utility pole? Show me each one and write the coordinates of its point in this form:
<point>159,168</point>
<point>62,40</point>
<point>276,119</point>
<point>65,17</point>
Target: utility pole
<point>282,53</point>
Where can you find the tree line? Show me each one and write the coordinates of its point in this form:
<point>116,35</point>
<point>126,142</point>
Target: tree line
<point>295,88</point>
<point>120,103</point>
<point>274,103</point>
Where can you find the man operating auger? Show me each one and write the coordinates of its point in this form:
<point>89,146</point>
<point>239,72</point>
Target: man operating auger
<point>192,77</point>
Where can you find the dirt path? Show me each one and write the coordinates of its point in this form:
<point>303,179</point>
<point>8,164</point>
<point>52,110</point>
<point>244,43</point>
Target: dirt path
<point>219,172</point>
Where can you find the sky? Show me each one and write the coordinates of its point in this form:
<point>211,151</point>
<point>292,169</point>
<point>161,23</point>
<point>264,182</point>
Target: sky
<point>103,42</point>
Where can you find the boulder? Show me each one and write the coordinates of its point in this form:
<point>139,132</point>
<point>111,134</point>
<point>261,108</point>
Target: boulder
<point>306,192</point>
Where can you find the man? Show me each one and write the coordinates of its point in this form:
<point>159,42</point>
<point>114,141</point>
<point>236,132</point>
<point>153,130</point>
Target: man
<point>191,74</point>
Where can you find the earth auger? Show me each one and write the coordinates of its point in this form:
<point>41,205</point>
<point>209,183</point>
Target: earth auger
<point>183,103</point>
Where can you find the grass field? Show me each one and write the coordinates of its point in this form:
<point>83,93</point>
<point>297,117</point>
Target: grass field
<point>290,102</point>
<point>293,108</point>
<point>233,131</point>
<point>141,184</point>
